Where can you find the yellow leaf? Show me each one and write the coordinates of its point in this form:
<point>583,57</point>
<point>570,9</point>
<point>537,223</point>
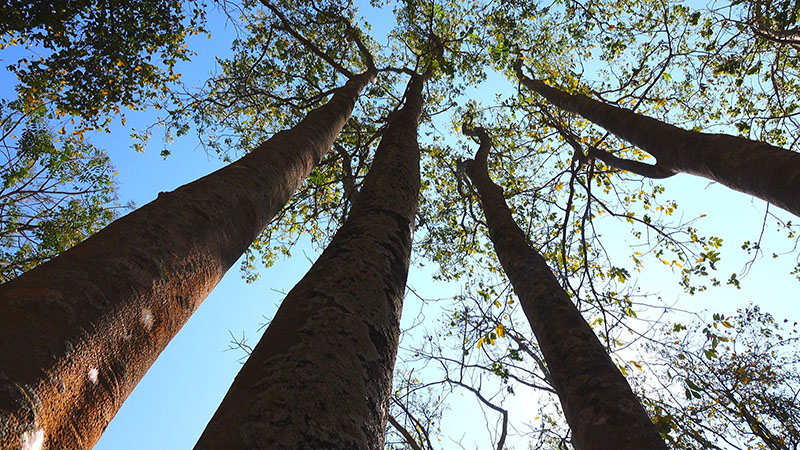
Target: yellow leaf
<point>62,130</point>
<point>501,330</point>
<point>637,365</point>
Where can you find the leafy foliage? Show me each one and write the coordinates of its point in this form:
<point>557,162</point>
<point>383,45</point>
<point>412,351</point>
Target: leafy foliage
<point>55,192</point>
<point>636,53</point>
<point>725,65</point>
<point>731,383</point>
<point>97,56</point>
<point>283,66</point>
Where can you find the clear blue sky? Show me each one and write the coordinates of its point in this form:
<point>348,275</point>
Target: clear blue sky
<point>174,401</point>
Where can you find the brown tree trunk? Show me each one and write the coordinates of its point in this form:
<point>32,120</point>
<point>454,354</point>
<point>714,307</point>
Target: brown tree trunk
<point>601,409</point>
<point>321,375</point>
<point>77,333</point>
<point>756,168</point>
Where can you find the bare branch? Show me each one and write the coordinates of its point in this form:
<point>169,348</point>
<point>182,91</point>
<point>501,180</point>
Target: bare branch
<point>287,26</point>
<point>406,435</point>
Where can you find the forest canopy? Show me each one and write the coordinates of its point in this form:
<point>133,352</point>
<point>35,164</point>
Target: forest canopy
<point>595,121</point>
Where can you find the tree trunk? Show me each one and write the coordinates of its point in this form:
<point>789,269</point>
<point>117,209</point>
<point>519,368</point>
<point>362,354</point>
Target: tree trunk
<point>756,168</point>
<point>321,375</point>
<point>601,409</point>
<point>77,333</point>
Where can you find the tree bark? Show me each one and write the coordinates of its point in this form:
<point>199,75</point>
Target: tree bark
<point>77,333</point>
<point>321,375</point>
<point>765,171</point>
<point>601,409</point>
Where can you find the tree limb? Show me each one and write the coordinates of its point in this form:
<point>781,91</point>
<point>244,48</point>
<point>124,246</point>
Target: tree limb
<point>287,26</point>
<point>406,435</point>
<point>637,167</point>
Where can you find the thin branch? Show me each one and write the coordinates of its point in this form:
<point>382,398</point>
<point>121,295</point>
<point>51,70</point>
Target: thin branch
<point>504,413</point>
<point>406,435</point>
<point>287,26</point>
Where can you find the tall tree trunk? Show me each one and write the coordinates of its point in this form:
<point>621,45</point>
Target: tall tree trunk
<point>601,409</point>
<point>78,333</point>
<point>321,375</point>
<point>756,168</point>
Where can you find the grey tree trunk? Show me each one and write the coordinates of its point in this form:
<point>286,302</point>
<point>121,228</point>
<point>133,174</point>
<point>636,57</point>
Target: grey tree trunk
<point>78,333</point>
<point>756,168</point>
<point>321,375</point>
<point>602,411</point>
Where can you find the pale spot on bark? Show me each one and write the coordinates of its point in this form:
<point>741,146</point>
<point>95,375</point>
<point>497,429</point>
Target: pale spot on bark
<point>93,372</point>
<point>33,440</point>
<point>147,319</point>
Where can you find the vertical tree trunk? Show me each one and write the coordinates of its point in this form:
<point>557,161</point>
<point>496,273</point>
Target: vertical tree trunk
<point>756,168</point>
<point>77,333</point>
<point>321,375</point>
<point>601,409</point>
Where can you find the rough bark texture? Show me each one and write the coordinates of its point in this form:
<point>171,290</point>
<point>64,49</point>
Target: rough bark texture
<point>321,376</point>
<point>77,333</point>
<point>601,409</point>
<point>756,168</point>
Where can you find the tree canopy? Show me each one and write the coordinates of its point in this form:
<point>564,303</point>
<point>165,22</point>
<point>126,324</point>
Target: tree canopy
<point>597,204</point>
<point>97,57</point>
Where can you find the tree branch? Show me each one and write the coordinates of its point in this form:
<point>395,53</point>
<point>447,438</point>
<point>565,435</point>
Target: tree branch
<point>414,419</point>
<point>354,34</point>
<point>287,26</point>
<point>637,167</point>
<point>646,170</point>
<point>482,155</point>
<point>502,440</point>
<point>406,435</point>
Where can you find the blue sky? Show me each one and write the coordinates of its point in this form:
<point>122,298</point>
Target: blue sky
<point>174,401</point>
